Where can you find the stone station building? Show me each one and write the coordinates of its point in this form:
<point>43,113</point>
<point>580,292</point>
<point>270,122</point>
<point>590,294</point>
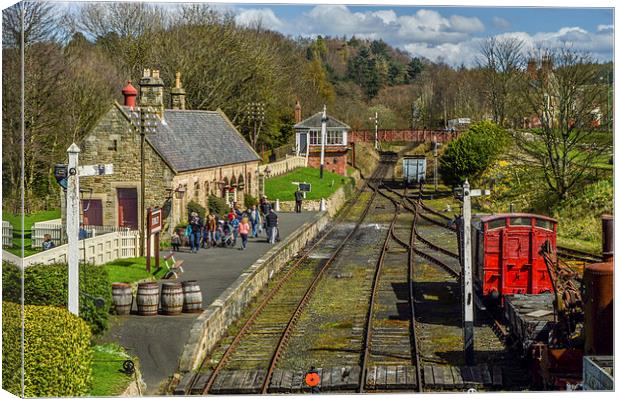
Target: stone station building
<point>197,153</point>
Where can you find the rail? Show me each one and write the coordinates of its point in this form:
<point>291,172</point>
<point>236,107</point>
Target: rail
<point>301,305</point>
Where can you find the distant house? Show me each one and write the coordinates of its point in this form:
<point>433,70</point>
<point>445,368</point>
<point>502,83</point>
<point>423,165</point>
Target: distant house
<point>191,154</point>
<point>308,141</point>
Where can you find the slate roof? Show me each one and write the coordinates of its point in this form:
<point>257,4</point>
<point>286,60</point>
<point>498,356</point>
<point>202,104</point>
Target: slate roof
<point>192,139</point>
<point>315,122</point>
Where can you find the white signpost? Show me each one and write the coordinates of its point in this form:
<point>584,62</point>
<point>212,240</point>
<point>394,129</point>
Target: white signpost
<point>73,220</point>
<point>468,289</point>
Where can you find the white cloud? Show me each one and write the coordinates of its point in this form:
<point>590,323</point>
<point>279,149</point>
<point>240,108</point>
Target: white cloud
<point>263,16</point>
<point>455,39</point>
<point>500,23</point>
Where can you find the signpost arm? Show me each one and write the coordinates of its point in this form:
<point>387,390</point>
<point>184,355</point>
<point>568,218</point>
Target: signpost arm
<point>73,217</point>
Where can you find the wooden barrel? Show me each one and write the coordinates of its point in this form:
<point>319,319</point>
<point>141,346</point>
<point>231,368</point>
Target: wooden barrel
<point>192,297</point>
<point>122,298</point>
<point>171,298</point>
<point>147,299</point>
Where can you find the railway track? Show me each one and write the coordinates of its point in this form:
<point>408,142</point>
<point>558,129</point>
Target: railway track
<point>271,323</point>
<point>581,256</point>
<point>390,343</point>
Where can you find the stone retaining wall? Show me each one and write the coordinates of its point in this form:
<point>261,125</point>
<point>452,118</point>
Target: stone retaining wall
<point>212,324</point>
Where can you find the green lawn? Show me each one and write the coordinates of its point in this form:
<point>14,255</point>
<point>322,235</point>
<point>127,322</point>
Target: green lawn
<point>281,188</point>
<point>108,379</point>
<point>133,269</point>
<point>29,220</point>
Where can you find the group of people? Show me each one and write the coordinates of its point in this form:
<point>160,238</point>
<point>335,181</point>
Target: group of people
<point>225,230</point>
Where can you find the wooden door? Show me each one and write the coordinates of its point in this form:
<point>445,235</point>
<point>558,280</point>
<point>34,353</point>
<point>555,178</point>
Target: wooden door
<point>128,208</point>
<point>93,212</point>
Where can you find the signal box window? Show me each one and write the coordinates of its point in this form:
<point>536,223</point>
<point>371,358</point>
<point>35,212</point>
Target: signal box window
<point>520,221</point>
<point>496,224</point>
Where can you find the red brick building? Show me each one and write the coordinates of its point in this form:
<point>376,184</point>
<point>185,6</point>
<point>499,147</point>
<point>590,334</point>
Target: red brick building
<point>308,141</point>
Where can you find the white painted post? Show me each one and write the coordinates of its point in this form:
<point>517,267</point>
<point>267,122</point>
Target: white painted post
<point>468,289</point>
<point>322,205</point>
<point>323,137</point>
<point>376,131</point>
<point>73,217</point>
<point>277,206</point>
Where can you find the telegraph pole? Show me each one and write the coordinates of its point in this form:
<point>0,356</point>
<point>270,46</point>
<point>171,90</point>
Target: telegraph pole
<point>142,179</point>
<point>73,216</point>
<point>323,136</point>
<point>435,145</point>
<point>376,131</point>
<point>468,289</point>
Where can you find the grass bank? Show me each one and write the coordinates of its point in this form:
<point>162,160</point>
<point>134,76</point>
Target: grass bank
<point>281,187</point>
<point>107,370</point>
<point>131,270</point>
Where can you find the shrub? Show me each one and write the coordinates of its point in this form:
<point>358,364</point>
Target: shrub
<point>249,201</point>
<point>196,207</point>
<point>57,358</point>
<point>471,153</point>
<point>218,205</point>
<point>47,285</point>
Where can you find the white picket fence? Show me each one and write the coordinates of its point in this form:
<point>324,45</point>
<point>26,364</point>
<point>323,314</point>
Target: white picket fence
<point>52,227</point>
<point>7,234</point>
<point>98,250</point>
<point>56,230</point>
<point>286,165</point>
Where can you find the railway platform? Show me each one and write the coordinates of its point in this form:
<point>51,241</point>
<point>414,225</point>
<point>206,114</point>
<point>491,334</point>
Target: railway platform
<point>158,341</point>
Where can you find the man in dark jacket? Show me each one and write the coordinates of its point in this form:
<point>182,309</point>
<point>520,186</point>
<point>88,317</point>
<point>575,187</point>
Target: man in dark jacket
<point>196,226</point>
<point>272,226</point>
<point>299,197</point>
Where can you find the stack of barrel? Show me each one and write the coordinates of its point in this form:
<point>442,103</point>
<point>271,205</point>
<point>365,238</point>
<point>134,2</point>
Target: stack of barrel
<point>598,297</point>
<point>174,298</point>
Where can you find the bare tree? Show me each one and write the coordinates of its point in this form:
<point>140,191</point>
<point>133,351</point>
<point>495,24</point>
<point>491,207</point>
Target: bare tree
<point>562,95</point>
<point>502,59</point>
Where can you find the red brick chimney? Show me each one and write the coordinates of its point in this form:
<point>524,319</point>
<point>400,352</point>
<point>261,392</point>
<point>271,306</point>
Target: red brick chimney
<point>531,68</point>
<point>297,112</point>
<point>130,93</point>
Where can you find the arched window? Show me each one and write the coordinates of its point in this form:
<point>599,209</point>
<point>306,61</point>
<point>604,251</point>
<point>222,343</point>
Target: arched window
<point>240,183</point>
<point>206,189</point>
<point>249,183</point>
<point>233,181</point>
<point>196,190</point>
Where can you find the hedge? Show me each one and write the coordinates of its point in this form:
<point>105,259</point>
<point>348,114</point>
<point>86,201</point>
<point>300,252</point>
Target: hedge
<point>470,154</point>
<point>57,352</point>
<point>47,285</point>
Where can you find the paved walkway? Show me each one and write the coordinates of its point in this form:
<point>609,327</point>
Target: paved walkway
<point>158,341</point>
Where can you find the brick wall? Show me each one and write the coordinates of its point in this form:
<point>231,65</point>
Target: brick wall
<point>334,162</point>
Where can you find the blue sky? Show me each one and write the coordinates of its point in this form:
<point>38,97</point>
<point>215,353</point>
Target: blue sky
<point>452,34</point>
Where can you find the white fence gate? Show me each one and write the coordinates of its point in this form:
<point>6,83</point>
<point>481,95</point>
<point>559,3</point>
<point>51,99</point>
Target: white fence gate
<point>7,234</point>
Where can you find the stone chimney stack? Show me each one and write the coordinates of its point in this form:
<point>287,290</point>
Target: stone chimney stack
<point>177,93</point>
<point>152,91</point>
<point>297,112</point>
<point>130,93</point>
<point>531,68</point>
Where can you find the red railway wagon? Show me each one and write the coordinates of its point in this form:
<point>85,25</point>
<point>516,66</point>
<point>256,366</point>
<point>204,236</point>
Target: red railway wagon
<point>506,259</point>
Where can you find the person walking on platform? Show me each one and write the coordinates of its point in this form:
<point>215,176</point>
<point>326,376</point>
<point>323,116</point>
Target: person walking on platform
<point>244,231</point>
<point>255,220</point>
<point>299,197</point>
<point>264,208</point>
<point>272,226</point>
<point>196,225</point>
<point>211,227</point>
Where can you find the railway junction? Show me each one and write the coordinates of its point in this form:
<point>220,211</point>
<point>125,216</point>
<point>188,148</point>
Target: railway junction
<point>374,303</point>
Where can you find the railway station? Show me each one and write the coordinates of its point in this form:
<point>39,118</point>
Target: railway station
<point>307,199</point>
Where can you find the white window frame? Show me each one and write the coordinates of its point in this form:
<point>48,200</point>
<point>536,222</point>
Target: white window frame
<point>334,137</point>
